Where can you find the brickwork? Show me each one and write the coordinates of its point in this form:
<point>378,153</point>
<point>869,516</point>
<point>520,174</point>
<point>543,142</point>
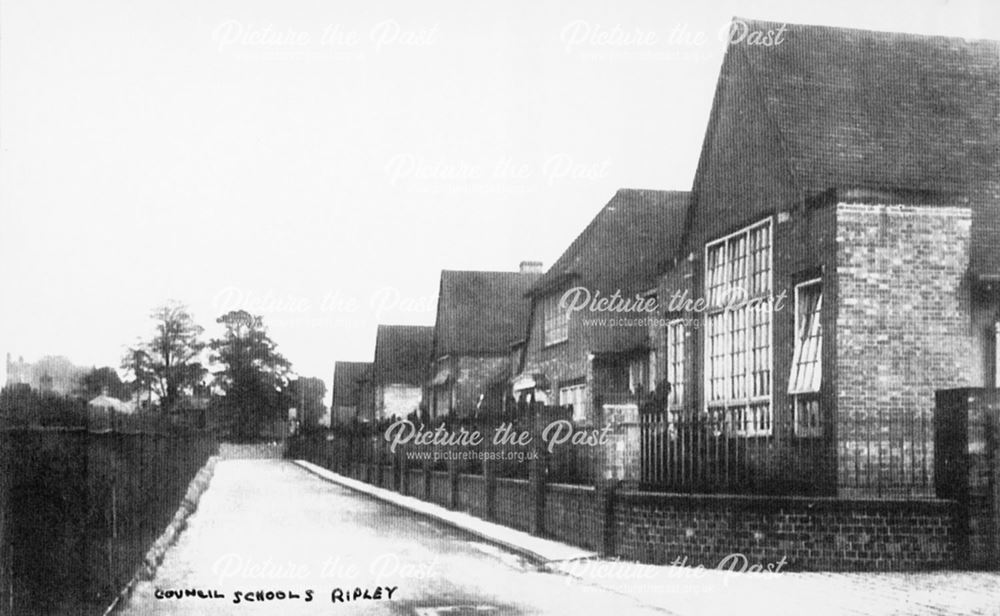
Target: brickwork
<point>514,505</point>
<point>812,534</point>
<point>440,492</point>
<point>903,331</point>
<point>471,496</point>
<point>573,515</point>
<point>415,483</point>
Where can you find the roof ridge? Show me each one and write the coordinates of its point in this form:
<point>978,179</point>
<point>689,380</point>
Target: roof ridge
<point>884,33</point>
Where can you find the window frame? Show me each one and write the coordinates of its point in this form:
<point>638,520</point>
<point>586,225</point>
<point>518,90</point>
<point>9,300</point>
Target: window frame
<point>996,354</point>
<point>807,410</point>
<point>551,313</point>
<point>722,317</point>
<point>652,361</point>
<point>675,358</point>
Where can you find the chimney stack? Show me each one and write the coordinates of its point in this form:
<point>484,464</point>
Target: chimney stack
<point>531,267</point>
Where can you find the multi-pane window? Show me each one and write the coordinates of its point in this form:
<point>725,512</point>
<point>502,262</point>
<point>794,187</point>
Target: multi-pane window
<point>556,320</point>
<point>575,396</point>
<point>738,287</point>
<point>675,362</point>
<point>807,360</point>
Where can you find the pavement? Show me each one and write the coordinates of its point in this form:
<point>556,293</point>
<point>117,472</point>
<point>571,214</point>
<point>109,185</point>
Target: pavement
<point>281,533</point>
<point>532,547</point>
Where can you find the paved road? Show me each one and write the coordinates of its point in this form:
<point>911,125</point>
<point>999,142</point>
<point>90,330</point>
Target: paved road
<point>268,525</point>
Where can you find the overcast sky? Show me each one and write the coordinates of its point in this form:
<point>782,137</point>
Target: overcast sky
<point>319,163</point>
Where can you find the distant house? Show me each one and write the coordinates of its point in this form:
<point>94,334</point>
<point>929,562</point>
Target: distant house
<point>479,316</point>
<point>586,357</point>
<point>849,181</point>
<point>401,356</point>
<point>346,396</point>
<point>103,409</point>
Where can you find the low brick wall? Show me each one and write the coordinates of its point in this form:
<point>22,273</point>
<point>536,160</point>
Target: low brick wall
<point>386,477</point>
<point>573,515</point>
<point>807,533</point>
<point>415,483</point>
<point>811,533</point>
<point>440,488</point>
<point>472,495</point>
<point>513,506</point>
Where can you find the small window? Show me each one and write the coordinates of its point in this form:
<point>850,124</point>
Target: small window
<point>807,361</point>
<point>556,321</point>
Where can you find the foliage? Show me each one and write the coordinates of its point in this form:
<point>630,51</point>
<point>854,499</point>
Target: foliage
<point>172,353</point>
<point>20,405</point>
<point>99,380</point>
<point>254,377</point>
<point>306,394</point>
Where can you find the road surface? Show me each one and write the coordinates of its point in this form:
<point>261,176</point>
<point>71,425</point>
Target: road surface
<point>268,526</point>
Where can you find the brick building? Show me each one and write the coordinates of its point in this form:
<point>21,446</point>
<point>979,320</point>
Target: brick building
<point>402,353</point>
<point>581,358</point>
<point>346,394</point>
<point>479,316</point>
<point>841,254</point>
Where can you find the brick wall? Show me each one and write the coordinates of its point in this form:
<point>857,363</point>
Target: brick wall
<point>513,505</point>
<point>809,533</point>
<point>415,483</point>
<point>387,477</point>
<point>573,515</point>
<point>440,488</point>
<point>902,332</point>
<point>812,534</point>
<point>471,496</point>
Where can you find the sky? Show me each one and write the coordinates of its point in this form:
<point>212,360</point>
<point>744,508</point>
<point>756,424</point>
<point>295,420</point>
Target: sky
<point>320,163</point>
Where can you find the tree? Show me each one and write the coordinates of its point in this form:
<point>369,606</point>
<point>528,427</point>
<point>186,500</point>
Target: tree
<point>173,353</point>
<point>306,394</point>
<point>254,375</point>
<point>99,380</point>
<point>136,362</point>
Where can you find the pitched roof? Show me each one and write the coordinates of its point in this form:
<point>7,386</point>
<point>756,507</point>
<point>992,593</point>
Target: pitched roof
<point>622,249</point>
<point>481,312</point>
<point>402,353</point>
<point>346,377</point>
<point>881,111</point>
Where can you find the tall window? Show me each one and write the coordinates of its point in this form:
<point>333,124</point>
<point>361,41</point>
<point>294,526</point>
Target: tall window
<point>575,396</point>
<point>738,287</point>
<point>807,361</point>
<point>675,362</point>
<point>996,353</point>
<point>556,320</point>
<point>652,371</point>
